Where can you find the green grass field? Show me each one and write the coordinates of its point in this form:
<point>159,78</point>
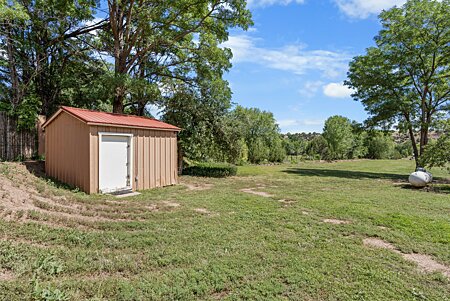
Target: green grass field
<point>206,239</point>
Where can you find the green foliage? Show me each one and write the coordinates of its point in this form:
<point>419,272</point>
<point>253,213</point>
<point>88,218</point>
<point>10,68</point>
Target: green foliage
<point>200,114</point>
<point>351,139</point>
<point>404,79</point>
<point>339,136</point>
<point>258,151</point>
<point>403,149</point>
<point>277,153</point>
<point>212,170</point>
<point>380,146</point>
<point>48,294</point>
<point>437,154</point>
<point>259,131</point>
<point>170,44</point>
<point>317,148</point>
<point>48,265</point>
<point>12,10</point>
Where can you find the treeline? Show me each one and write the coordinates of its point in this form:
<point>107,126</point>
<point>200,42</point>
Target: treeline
<point>345,139</point>
<point>119,56</point>
<point>237,136</point>
<point>249,135</point>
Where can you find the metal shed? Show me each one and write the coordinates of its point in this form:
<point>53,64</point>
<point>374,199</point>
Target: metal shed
<point>101,152</point>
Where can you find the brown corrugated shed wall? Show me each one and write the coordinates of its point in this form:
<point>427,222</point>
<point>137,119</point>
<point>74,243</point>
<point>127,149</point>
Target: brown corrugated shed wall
<point>72,154</point>
<point>155,157</point>
<point>67,151</point>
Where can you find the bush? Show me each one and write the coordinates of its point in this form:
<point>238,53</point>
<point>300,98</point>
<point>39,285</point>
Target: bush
<point>380,146</point>
<point>213,170</point>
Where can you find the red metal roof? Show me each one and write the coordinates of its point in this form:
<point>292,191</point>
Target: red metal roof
<point>104,118</point>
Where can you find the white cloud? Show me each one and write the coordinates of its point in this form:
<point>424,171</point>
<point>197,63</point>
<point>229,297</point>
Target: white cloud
<point>337,90</point>
<point>292,58</point>
<point>301,125</point>
<point>310,88</point>
<point>264,3</point>
<point>365,8</point>
<point>294,122</point>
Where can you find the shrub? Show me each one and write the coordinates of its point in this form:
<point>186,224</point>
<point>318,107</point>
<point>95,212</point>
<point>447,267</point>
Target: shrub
<point>380,146</point>
<point>213,170</point>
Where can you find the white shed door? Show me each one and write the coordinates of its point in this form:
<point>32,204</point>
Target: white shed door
<point>114,169</point>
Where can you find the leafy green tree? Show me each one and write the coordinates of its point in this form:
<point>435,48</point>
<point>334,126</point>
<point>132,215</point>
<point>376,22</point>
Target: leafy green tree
<point>259,131</point>
<point>358,148</point>
<point>200,113</point>
<point>258,151</point>
<point>405,79</point>
<point>403,149</point>
<point>380,145</point>
<point>277,153</point>
<point>159,41</point>
<point>318,148</point>
<point>339,136</point>
<point>45,43</point>
<point>437,153</point>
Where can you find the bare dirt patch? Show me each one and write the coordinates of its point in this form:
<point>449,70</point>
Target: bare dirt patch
<point>205,211</point>
<point>425,263</point>
<point>382,228</point>
<point>255,192</point>
<point>287,202</point>
<point>305,213</point>
<point>25,198</point>
<point>336,221</point>
<point>379,243</point>
<point>6,275</point>
<point>171,204</point>
<point>198,186</point>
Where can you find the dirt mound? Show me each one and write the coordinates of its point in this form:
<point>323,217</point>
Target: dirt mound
<point>20,200</point>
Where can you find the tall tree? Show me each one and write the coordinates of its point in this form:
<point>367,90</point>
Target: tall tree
<point>405,79</point>
<point>338,133</point>
<point>150,38</point>
<point>44,47</point>
<point>259,131</point>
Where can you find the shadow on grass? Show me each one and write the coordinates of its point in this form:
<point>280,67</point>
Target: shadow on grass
<point>347,174</point>
<point>352,174</point>
<point>440,185</point>
<point>435,188</point>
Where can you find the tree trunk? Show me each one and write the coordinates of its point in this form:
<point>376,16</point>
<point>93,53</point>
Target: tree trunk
<point>118,100</point>
<point>413,140</point>
<point>15,93</point>
<point>141,95</point>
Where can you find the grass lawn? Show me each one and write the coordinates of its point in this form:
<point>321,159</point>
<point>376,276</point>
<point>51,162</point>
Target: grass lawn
<point>208,240</point>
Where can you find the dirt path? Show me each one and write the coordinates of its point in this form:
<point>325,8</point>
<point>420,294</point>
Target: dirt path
<point>425,263</point>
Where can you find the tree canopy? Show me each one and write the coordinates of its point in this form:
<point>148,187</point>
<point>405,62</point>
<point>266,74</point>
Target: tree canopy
<point>405,79</point>
<point>339,136</point>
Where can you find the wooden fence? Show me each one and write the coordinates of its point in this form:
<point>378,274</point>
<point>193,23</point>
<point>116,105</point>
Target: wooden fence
<point>16,144</point>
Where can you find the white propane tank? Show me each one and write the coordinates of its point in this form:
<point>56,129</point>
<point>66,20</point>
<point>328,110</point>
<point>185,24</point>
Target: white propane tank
<point>420,178</point>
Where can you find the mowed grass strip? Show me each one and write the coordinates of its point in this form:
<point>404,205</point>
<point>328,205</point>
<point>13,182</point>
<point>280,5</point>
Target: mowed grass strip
<point>208,239</point>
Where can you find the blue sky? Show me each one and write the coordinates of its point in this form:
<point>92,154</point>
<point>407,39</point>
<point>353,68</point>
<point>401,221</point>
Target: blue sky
<point>293,61</point>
